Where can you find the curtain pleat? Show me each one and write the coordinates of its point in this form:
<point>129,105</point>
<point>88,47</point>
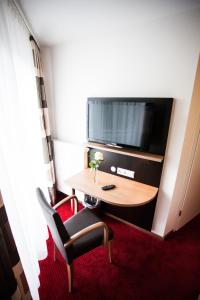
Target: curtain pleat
<point>44,122</point>
<point>13,284</point>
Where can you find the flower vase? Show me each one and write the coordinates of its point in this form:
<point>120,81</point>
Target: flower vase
<point>95,175</point>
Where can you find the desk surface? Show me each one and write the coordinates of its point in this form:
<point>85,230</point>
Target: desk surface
<point>126,193</point>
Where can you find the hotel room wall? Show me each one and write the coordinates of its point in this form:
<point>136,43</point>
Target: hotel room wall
<point>154,59</point>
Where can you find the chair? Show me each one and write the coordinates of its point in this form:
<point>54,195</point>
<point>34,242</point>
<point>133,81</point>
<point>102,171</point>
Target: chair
<point>81,233</point>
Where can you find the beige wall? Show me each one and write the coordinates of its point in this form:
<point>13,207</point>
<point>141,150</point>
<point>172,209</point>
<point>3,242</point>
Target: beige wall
<point>181,192</point>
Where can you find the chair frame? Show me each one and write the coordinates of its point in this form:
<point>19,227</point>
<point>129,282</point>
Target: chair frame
<point>80,234</point>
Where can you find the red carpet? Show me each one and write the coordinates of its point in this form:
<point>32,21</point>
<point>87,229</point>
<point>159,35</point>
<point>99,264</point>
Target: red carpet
<point>144,268</point>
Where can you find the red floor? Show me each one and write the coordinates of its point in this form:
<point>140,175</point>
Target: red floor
<point>144,267</point>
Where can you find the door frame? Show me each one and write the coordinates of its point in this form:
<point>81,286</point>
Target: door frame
<point>188,175</point>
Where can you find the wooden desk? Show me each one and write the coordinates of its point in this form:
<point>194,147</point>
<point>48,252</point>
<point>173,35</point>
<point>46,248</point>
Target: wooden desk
<point>126,193</point>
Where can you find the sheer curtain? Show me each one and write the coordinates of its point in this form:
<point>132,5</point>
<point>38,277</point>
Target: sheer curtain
<point>21,160</point>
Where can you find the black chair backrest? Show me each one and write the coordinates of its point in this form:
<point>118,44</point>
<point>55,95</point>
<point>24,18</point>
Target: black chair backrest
<point>54,222</point>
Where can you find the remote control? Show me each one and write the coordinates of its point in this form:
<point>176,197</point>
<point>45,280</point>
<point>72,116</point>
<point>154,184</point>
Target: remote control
<point>108,187</point>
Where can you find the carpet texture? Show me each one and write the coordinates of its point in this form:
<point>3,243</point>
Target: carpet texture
<point>144,268</point>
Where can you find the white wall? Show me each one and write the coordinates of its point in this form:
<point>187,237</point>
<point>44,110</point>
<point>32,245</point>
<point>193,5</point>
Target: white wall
<point>154,59</point>
<point>186,192</point>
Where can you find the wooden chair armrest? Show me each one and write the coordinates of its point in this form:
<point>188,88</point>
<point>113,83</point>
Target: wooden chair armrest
<point>86,230</point>
<point>65,200</point>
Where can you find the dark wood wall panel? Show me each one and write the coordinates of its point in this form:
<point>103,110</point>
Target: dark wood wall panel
<point>142,216</point>
<point>146,171</point>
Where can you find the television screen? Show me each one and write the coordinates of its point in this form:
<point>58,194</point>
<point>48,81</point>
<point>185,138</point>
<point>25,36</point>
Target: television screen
<point>141,123</point>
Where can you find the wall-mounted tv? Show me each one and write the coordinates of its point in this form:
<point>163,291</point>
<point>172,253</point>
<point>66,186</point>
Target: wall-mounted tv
<point>140,123</point>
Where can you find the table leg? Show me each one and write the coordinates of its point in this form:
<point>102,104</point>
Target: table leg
<point>74,204</point>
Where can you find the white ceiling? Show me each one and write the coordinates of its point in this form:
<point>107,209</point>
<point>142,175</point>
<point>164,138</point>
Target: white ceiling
<point>56,21</point>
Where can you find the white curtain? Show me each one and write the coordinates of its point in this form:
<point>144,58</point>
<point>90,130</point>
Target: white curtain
<point>21,161</point>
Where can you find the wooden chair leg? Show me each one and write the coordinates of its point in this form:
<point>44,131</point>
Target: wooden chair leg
<point>75,207</point>
<point>70,277</point>
<point>110,251</point>
<point>55,252</point>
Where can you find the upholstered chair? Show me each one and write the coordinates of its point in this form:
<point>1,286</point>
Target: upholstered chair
<point>81,233</point>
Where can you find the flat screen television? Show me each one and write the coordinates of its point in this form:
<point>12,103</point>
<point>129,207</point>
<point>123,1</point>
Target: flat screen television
<point>139,123</point>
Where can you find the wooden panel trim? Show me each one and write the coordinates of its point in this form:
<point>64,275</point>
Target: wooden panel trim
<point>128,152</point>
<point>86,150</point>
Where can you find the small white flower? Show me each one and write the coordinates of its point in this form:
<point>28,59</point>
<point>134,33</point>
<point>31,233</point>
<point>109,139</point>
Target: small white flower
<point>98,156</point>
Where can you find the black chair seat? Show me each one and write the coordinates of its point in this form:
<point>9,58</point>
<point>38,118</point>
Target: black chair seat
<point>82,219</point>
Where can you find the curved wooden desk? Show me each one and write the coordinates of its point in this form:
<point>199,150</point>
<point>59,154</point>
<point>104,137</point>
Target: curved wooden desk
<point>126,193</point>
